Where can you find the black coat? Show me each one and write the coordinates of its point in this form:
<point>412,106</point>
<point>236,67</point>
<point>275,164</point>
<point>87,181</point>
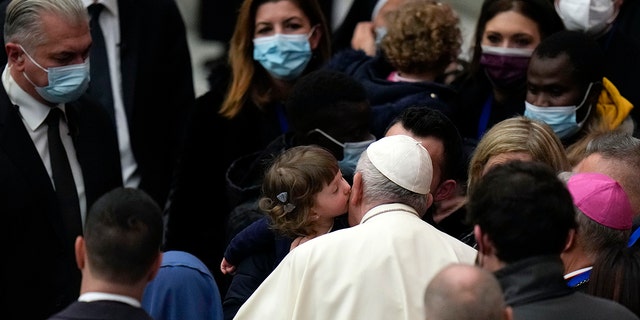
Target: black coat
<point>38,260</point>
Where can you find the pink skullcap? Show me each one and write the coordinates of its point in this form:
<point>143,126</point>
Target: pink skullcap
<point>602,199</point>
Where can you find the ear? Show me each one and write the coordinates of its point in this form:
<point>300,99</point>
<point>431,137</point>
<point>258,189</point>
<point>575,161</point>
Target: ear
<point>314,39</point>
<point>80,250</point>
<point>445,190</point>
<point>429,201</point>
<point>508,313</point>
<point>157,262</point>
<point>594,95</point>
<point>571,240</point>
<point>355,200</point>
<point>356,189</point>
<point>15,56</point>
<point>485,246</point>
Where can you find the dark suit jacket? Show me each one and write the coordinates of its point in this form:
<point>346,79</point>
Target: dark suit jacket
<point>360,10</point>
<point>103,310</point>
<point>38,261</point>
<point>158,93</point>
<point>157,84</point>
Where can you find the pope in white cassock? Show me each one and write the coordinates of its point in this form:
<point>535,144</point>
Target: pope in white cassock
<point>378,269</point>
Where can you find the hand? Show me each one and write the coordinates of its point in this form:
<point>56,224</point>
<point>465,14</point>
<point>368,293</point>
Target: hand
<point>226,267</point>
<point>364,38</point>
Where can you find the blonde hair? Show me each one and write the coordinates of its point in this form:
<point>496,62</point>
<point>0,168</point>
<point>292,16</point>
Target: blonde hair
<point>596,124</point>
<point>422,36</point>
<point>518,134</point>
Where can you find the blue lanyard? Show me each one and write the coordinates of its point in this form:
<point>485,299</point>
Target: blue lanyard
<point>282,118</point>
<point>484,116</point>
<point>579,279</point>
<point>634,237</point>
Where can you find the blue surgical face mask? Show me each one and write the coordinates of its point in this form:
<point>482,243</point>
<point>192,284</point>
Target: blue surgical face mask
<point>351,152</point>
<point>284,56</point>
<point>66,83</point>
<point>561,119</point>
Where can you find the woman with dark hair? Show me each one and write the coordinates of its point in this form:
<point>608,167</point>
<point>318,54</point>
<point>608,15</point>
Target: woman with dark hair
<point>494,88</point>
<point>616,275</point>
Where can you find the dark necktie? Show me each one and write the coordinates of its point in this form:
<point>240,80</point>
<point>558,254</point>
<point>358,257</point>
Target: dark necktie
<point>100,84</point>
<point>63,178</point>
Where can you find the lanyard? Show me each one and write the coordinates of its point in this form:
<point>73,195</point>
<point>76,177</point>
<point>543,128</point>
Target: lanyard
<point>484,116</point>
<point>634,237</point>
<point>282,118</point>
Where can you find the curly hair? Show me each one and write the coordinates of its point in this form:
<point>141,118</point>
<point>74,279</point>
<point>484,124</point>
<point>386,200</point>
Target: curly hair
<point>422,36</point>
<point>290,187</point>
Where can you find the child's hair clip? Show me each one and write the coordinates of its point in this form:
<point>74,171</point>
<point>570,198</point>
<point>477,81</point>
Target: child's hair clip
<point>288,207</point>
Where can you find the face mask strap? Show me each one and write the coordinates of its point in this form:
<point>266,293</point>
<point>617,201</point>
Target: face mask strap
<point>581,123</point>
<point>30,58</point>
<point>326,136</point>
<point>313,29</point>
<point>586,96</point>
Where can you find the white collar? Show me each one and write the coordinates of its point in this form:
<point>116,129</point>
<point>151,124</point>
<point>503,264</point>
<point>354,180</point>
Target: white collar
<point>388,207</point>
<point>101,296</point>
<point>32,111</point>
<point>577,272</point>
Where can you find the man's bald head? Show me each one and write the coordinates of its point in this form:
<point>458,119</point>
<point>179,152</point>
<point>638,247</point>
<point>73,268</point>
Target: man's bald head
<point>465,292</point>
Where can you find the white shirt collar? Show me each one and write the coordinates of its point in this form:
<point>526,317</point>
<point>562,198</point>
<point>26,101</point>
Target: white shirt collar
<point>101,296</point>
<point>577,272</point>
<point>32,111</point>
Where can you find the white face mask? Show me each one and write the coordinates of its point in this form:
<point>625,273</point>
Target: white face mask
<point>590,16</point>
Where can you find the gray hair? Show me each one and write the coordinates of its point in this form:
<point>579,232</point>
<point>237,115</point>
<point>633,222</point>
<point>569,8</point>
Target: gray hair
<point>377,188</point>
<point>596,238</point>
<point>622,152</point>
<point>593,237</point>
<point>23,20</point>
<point>615,144</point>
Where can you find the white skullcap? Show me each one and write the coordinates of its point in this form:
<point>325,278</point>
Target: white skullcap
<point>404,161</point>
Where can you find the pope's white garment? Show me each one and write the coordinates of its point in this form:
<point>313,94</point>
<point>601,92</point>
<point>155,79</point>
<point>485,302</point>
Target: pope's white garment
<point>378,269</point>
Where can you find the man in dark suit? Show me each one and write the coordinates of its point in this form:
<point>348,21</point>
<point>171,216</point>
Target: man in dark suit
<point>47,45</point>
<point>342,29</point>
<point>156,93</point>
<point>118,255</point>
<point>152,90</point>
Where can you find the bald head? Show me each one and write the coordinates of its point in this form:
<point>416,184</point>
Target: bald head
<point>465,292</point>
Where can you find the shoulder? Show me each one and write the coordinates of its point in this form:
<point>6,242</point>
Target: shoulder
<point>347,60</point>
<point>103,309</point>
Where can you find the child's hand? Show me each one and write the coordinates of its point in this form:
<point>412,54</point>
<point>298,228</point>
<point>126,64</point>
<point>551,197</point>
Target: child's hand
<point>226,267</point>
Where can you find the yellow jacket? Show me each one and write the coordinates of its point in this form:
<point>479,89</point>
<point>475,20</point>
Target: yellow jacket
<point>612,106</point>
